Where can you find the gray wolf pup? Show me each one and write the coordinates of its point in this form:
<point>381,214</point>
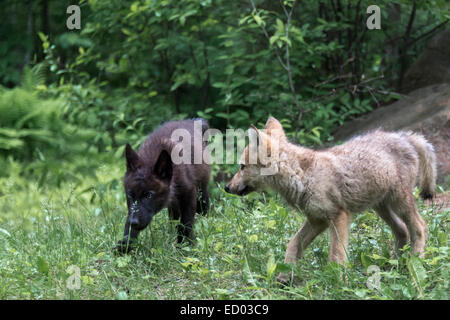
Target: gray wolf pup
<point>377,170</point>
<point>153,182</point>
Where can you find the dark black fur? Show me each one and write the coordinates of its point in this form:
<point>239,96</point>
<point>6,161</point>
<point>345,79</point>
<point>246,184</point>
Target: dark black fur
<point>153,182</point>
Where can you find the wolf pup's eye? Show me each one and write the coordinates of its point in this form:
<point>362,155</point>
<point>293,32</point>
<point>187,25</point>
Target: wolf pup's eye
<point>149,194</point>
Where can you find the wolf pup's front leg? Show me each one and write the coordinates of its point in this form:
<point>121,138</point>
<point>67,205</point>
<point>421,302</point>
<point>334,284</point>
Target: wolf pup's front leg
<point>299,242</point>
<point>129,237</point>
<point>187,217</point>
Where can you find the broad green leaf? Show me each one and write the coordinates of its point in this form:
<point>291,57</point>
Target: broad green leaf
<point>271,266</point>
<point>417,270</point>
<point>258,19</point>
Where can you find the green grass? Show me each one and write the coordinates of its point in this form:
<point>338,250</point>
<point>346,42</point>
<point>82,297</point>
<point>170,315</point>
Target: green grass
<point>239,249</point>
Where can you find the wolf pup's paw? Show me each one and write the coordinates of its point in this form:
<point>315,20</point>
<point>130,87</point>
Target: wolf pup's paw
<point>124,246</point>
<point>284,279</point>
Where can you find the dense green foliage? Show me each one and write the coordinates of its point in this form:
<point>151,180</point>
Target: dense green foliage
<point>134,64</point>
<point>70,100</point>
<point>32,125</point>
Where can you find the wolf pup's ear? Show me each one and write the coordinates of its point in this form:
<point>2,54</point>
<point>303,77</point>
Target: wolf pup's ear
<point>263,143</point>
<point>259,135</point>
<point>257,132</point>
<point>275,129</point>
<point>132,158</point>
<point>163,166</point>
<point>273,123</point>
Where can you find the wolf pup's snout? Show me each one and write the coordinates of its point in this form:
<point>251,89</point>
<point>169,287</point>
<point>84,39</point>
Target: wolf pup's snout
<point>240,190</point>
<point>134,222</point>
<point>137,223</point>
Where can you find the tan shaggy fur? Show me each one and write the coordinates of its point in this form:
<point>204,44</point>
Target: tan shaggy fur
<point>377,170</point>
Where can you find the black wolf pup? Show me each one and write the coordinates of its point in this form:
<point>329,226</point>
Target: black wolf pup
<point>154,181</point>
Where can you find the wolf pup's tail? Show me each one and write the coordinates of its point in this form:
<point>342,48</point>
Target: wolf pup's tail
<point>427,165</point>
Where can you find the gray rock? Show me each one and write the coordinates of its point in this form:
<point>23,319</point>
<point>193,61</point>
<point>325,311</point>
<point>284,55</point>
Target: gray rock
<point>432,66</point>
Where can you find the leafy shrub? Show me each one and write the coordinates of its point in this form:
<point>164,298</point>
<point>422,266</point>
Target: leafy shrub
<point>32,126</point>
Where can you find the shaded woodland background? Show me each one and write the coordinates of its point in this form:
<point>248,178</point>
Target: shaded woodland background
<point>135,64</point>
